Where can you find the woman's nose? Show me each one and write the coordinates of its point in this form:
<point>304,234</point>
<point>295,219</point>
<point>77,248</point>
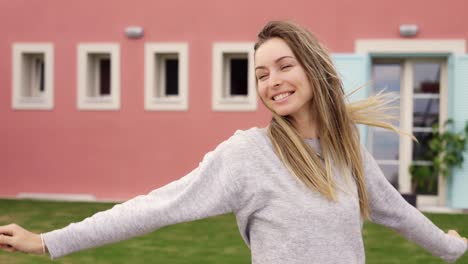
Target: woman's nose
<point>275,81</point>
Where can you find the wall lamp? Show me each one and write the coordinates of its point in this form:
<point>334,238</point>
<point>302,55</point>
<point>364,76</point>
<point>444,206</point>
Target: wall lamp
<point>134,32</point>
<point>408,30</point>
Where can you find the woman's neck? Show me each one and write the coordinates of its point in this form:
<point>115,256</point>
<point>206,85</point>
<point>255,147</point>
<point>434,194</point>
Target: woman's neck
<point>308,131</point>
<point>306,126</point>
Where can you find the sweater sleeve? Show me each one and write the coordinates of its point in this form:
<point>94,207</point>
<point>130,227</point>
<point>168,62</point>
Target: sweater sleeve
<point>208,190</point>
<point>389,208</point>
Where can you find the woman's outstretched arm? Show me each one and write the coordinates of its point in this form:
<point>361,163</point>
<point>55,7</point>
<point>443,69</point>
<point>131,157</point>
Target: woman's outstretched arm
<point>389,208</point>
<point>211,189</point>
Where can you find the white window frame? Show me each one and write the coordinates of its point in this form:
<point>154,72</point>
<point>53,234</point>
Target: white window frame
<point>110,102</point>
<point>221,102</point>
<point>419,46</point>
<point>424,48</point>
<point>159,102</point>
<point>39,100</point>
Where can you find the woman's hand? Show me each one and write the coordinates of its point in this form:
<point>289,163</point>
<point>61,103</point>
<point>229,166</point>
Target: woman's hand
<point>455,234</point>
<point>15,238</point>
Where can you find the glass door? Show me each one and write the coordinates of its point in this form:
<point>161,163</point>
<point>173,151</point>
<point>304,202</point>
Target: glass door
<point>421,85</point>
<point>384,145</point>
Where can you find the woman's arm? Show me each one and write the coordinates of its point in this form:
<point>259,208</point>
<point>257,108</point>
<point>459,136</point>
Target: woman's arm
<point>209,190</point>
<point>387,207</point>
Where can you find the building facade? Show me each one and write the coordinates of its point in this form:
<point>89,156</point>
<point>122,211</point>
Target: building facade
<point>92,110</point>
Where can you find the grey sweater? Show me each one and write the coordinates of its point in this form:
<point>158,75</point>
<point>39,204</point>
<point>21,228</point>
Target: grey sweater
<point>279,218</point>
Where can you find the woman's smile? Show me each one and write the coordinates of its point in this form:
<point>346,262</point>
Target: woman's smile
<point>282,97</point>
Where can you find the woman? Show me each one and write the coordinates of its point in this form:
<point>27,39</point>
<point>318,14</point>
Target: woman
<point>300,188</point>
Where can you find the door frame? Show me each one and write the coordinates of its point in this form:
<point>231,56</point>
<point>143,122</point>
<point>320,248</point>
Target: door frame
<point>415,49</point>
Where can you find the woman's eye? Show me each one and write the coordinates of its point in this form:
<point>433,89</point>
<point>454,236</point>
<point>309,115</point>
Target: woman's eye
<point>286,67</point>
<point>262,77</point>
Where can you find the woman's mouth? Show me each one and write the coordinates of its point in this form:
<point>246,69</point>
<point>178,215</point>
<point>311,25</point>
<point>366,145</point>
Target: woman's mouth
<point>281,97</point>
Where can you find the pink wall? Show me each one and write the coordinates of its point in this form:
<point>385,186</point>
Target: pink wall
<point>116,155</point>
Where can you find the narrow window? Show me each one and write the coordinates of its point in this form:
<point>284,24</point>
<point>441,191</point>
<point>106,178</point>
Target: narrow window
<point>32,76</point>
<point>166,76</point>
<point>105,74</point>
<point>238,82</point>
<point>233,78</point>
<point>172,76</point>
<point>99,81</point>
<point>41,75</point>
<point>98,77</point>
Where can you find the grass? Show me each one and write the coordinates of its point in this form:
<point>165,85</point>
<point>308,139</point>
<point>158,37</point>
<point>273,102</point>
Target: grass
<point>213,240</point>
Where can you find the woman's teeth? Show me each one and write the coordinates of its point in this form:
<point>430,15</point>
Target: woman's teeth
<point>281,96</point>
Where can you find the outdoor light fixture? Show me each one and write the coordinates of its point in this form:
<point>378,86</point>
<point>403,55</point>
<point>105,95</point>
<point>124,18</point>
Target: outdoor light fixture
<point>408,30</point>
<point>134,32</point>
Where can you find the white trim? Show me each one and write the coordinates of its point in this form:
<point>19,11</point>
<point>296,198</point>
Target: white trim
<point>86,51</point>
<point>57,196</point>
<point>24,54</point>
<point>398,46</point>
<point>406,124</point>
<point>153,100</point>
<point>221,102</point>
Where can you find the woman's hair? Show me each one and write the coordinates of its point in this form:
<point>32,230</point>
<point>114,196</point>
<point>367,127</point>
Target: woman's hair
<point>335,119</point>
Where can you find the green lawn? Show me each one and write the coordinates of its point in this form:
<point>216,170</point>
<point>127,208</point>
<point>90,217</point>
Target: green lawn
<point>213,240</point>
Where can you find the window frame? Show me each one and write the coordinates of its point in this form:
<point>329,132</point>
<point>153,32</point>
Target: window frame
<point>107,102</point>
<point>38,100</point>
<point>153,100</point>
<point>221,102</point>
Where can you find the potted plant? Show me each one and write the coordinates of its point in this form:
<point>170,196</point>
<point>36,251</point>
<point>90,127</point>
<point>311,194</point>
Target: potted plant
<point>445,152</point>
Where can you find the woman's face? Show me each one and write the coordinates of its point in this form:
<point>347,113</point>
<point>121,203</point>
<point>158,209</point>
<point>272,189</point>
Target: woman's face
<point>281,81</point>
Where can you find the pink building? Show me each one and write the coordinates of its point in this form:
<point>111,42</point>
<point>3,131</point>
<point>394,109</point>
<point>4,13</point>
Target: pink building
<point>91,113</point>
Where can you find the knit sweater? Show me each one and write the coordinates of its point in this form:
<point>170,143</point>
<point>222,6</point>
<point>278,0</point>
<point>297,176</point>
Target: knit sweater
<point>279,218</point>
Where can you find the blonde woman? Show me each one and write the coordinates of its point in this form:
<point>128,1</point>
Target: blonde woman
<point>300,188</point>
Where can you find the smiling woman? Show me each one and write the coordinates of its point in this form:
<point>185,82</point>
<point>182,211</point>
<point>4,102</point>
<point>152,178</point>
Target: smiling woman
<point>300,188</point>
<point>282,82</point>
<point>298,83</point>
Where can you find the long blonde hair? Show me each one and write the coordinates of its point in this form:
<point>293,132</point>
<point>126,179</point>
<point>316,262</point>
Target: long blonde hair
<point>335,119</point>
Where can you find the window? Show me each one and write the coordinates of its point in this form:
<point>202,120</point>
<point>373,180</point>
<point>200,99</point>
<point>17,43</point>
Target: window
<point>33,76</point>
<point>98,77</point>
<point>166,76</point>
<point>233,77</point>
